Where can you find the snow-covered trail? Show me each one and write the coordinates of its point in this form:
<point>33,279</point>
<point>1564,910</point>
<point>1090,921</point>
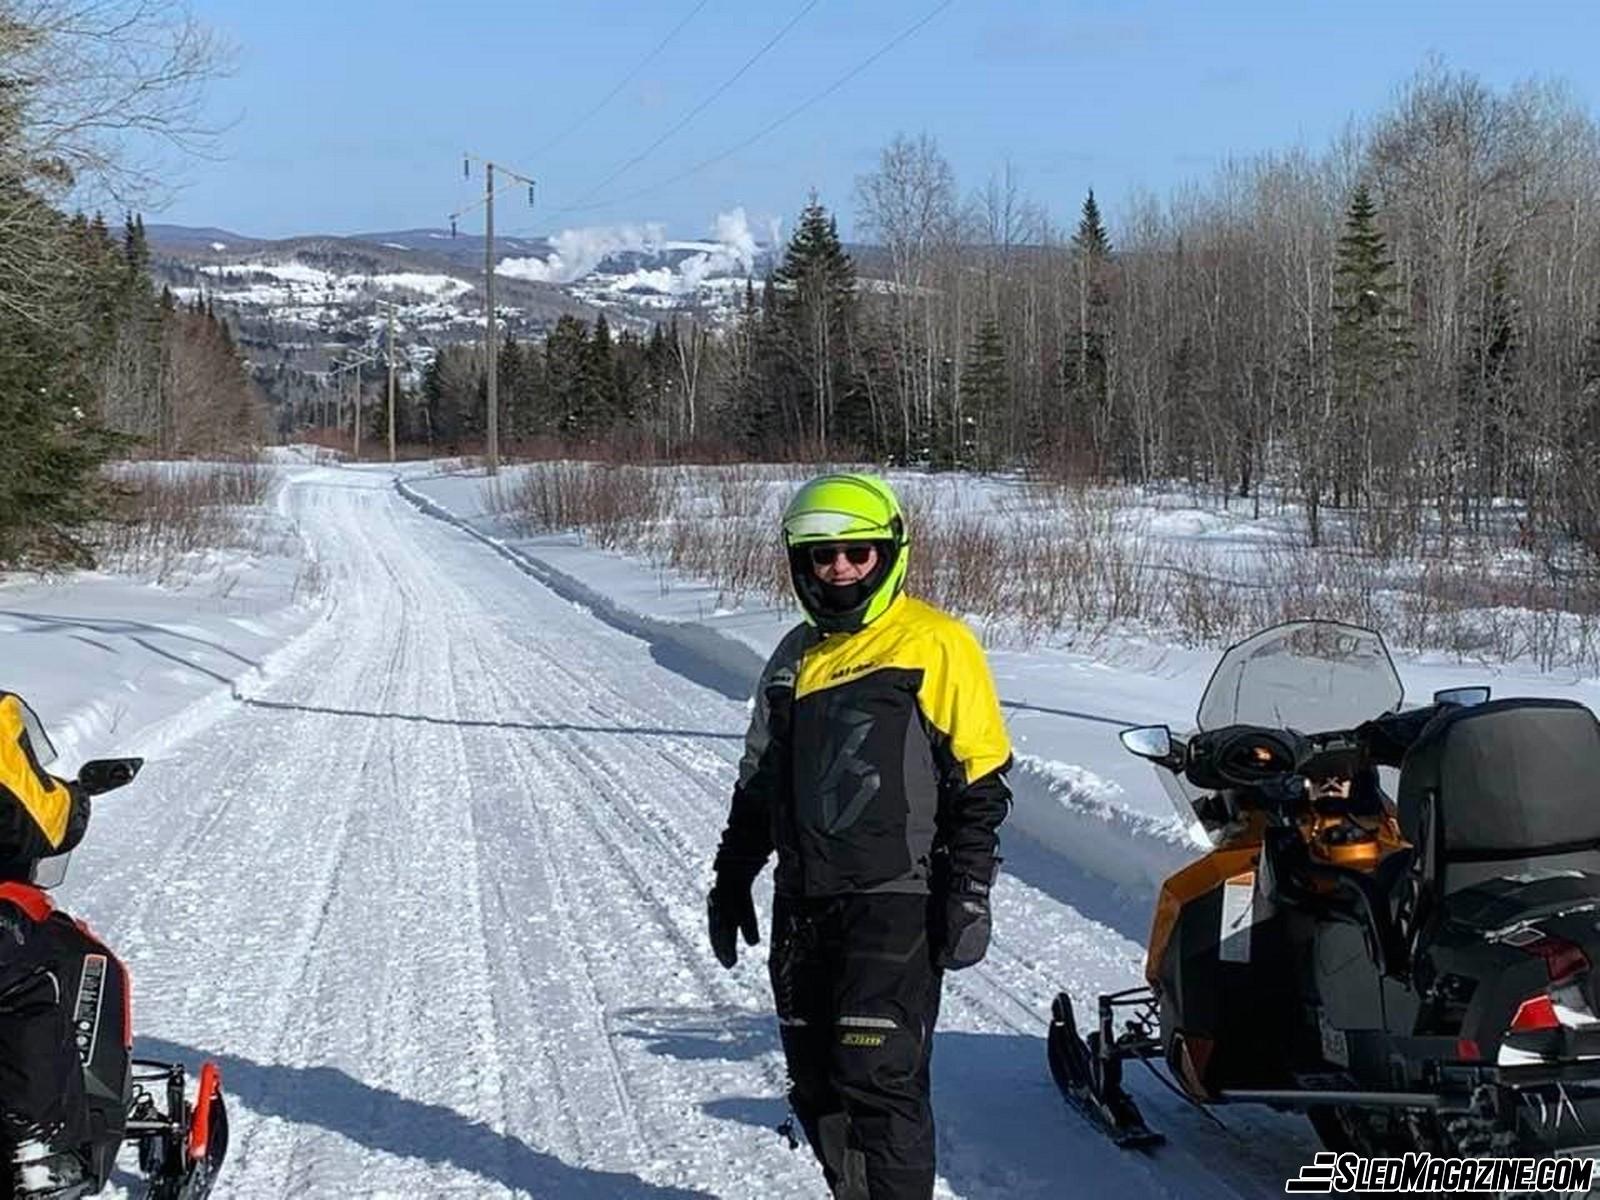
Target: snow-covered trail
<point>434,898</point>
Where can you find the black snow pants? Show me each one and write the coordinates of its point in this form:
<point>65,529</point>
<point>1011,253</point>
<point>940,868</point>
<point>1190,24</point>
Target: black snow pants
<point>41,1075</point>
<point>857,996</point>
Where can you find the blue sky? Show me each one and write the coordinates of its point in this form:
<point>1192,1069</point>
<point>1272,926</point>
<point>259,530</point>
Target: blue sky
<point>351,115</point>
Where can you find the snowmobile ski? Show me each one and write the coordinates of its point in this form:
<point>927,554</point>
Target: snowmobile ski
<point>180,1152</point>
<point>1091,1081</point>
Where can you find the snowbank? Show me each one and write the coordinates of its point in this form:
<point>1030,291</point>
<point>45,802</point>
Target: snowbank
<point>116,664</point>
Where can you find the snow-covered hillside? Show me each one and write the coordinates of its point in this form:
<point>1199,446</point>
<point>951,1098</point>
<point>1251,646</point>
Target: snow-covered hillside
<point>302,300</point>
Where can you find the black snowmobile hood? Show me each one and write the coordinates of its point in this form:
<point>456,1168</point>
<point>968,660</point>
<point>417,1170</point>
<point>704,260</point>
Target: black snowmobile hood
<point>1499,906</point>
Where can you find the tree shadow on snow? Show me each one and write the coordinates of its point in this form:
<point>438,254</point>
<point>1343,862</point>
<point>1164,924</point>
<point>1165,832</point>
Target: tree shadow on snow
<point>382,1120</point>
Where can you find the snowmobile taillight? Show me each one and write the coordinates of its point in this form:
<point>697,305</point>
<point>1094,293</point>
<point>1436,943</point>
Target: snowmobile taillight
<point>1562,959</point>
<point>1536,1012</point>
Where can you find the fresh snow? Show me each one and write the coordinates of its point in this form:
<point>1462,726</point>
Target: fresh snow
<point>421,861</point>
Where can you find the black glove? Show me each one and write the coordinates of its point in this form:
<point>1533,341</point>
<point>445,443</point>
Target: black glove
<point>729,908</point>
<point>962,924</point>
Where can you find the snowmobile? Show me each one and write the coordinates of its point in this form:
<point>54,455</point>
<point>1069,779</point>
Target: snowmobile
<point>180,1134</point>
<point>1412,975</point>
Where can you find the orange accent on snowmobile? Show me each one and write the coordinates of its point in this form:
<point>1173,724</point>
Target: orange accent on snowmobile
<point>29,899</point>
<point>200,1124</point>
<point>1360,843</point>
<point>1190,883</point>
<point>1327,836</point>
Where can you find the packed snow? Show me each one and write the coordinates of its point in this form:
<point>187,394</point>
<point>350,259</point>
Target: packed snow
<point>420,858</point>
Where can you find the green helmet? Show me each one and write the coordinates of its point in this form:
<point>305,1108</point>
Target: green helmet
<point>846,508</point>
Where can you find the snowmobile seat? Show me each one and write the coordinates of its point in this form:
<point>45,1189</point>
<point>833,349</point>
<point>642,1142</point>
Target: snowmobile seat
<point>1502,789</point>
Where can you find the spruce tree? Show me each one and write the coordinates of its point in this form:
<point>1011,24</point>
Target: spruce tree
<point>1091,238</point>
<point>813,317</point>
<point>1084,380</point>
<point>597,382</point>
<point>1370,347</point>
<point>985,396</point>
<point>565,352</point>
<point>511,388</point>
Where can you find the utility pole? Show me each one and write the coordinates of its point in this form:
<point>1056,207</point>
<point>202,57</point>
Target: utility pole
<point>355,366</point>
<point>356,400</point>
<point>491,349</point>
<point>391,306</point>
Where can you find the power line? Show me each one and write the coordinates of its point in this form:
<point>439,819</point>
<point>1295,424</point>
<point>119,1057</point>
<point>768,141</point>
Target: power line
<point>697,109</point>
<point>625,81</point>
<point>794,112</point>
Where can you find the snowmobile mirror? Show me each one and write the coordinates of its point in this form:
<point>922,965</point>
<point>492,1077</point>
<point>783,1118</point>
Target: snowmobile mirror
<point>1463,696</point>
<point>1148,741</point>
<point>107,774</point>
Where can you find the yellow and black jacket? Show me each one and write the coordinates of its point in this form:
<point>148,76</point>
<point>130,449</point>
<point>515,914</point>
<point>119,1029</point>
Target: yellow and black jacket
<point>40,815</point>
<point>874,760</point>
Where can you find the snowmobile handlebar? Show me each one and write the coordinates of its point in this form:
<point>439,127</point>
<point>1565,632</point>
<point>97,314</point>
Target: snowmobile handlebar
<point>1270,765</point>
<point>103,775</point>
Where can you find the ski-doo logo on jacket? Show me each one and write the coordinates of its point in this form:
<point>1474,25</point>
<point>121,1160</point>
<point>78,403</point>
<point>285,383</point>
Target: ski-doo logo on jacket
<point>865,748</point>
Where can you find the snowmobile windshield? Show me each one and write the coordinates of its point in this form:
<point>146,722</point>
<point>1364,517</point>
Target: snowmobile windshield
<point>44,751</point>
<point>1310,676</point>
<point>47,872</point>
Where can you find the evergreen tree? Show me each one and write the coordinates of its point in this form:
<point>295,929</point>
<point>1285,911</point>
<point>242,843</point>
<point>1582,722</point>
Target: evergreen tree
<point>1370,346</point>
<point>1084,381</point>
<point>985,395</point>
<point>510,388</point>
<point>54,447</point>
<point>597,382</point>
<point>566,352</point>
<point>627,375</point>
<point>1091,239</point>
<point>813,315</point>
<point>657,384</point>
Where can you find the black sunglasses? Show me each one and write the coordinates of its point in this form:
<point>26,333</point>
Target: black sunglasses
<point>857,552</point>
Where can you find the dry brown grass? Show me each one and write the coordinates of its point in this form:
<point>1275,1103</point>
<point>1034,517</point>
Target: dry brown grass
<point>1066,560</point>
<point>618,507</point>
<point>163,513</point>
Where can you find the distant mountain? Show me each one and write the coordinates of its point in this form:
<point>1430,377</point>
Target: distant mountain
<point>299,303</point>
<point>185,237</point>
<point>318,291</point>
<point>466,249</point>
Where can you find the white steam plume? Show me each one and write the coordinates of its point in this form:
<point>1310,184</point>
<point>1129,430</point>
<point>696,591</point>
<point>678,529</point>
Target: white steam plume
<point>575,253</point>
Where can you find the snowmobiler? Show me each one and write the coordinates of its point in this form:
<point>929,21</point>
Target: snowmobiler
<point>1412,976</point>
<point>875,769</point>
<point>70,1091</point>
